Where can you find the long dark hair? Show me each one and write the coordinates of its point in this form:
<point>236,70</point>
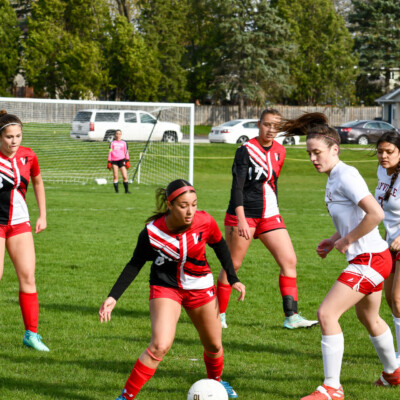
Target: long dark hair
<point>391,137</point>
<point>312,125</point>
<point>163,194</point>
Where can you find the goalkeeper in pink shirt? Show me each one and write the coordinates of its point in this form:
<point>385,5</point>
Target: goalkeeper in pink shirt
<point>118,157</point>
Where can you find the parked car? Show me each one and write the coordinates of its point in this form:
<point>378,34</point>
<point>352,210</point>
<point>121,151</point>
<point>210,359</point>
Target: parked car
<point>242,130</point>
<point>135,126</point>
<point>363,131</point>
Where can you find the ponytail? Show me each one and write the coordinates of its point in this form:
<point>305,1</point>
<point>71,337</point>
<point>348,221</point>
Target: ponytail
<point>392,181</point>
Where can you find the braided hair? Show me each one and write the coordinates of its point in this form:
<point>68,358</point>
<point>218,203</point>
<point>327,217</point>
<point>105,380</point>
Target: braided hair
<point>391,137</point>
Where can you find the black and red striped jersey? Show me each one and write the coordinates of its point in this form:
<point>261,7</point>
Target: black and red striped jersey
<point>255,173</point>
<point>15,173</point>
<point>178,260</point>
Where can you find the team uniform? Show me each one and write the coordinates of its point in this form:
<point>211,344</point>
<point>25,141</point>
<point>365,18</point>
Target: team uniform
<point>368,257</point>
<point>180,269</point>
<point>15,173</point>
<point>255,174</point>
<point>118,153</point>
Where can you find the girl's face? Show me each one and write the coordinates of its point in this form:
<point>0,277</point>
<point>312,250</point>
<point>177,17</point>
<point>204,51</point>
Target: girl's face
<point>118,135</point>
<point>388,156</point>
<point>10,140</point>
<point>182,210</point>
<point>323,157</point>
<point>268,129</point>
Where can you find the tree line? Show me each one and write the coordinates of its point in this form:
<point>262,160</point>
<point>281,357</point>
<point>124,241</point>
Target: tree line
<point>294,52</point>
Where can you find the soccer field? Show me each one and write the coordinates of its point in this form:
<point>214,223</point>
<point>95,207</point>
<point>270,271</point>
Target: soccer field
<point>91,235</point>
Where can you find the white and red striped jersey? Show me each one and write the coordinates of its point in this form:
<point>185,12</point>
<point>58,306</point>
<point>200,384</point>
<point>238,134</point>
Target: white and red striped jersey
<point>118,151</point>
<point>14,178</point>
<point>255,174</point>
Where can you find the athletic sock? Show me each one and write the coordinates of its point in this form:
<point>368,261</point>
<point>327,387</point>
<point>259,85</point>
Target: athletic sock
<point>385,348</point>
<point>116,187</point>
<point>126,187</point>
<point>30,310</point>
<point>139,376</point>
<point>223,295</point>
<point>214,366</point>
<point>396,322</point>
<point>332,354</point>
<point>288,288</point>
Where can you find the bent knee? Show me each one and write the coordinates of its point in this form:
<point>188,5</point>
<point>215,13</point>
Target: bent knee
<point>325,316</point>
<point>160,349</point>
<point>213,349</point>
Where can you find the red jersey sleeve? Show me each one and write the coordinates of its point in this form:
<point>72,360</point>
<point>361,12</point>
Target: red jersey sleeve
<point>215,234</point>
<point>35,170</point>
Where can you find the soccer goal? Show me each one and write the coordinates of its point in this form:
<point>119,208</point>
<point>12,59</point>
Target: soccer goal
<point>66,159</point>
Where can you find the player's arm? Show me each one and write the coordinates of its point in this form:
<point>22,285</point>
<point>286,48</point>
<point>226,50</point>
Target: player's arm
<point>38,188</point>
<point>326,245</point>
<point>224,256</point>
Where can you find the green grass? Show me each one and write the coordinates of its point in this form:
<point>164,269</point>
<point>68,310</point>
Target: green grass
<point>91,235</point>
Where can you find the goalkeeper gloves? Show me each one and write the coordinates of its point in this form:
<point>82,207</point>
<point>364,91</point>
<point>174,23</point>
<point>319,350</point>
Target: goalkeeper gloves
<point>109,165</point>
<point>127,165</point>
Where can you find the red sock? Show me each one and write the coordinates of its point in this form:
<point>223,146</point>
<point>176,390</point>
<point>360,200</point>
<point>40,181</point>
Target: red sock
<point>223,294</point>
<point>214,366</point>
<point>288,288</point>
<point>30,310</point>
<point>139,376</point>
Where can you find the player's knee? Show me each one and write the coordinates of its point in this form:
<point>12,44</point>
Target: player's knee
<point>325,316</point>
<point>27,280</point>
<point>213,349</point>
<point>159,349</point>
<point>396,303</point>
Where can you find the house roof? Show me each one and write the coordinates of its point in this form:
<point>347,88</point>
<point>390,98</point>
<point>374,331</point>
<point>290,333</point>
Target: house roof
<point>392,97</point>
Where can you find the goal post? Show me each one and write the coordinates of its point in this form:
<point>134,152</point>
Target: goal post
<point>47,127</point>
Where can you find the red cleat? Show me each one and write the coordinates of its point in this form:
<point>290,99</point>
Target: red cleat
<point>326,393</point>
<point>386,379</point>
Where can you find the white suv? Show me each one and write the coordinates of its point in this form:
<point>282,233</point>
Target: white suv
<point>135,126</point>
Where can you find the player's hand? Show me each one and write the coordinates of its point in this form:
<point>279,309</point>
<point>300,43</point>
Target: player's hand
<point>395,245</point>
<point>342,245</point>
<point>127,165</point>
<point>106,309</point>
<point>41,224</point>
<point>109,165</point>
<point>243,229</point>
<point>240,288</point>
<point>324,247</point>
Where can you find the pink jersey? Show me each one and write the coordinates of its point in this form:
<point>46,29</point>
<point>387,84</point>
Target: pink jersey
<point>118,151</point>
<point>14,178</point>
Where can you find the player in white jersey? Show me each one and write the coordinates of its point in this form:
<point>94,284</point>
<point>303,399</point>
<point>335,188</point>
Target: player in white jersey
<point>355,214</point>
<point>387,193</point>
<point>17,166</point>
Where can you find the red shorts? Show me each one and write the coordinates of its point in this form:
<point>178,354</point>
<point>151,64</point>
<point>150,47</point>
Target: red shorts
<point>186,298</point>
<point>395,257</point>
<point>367,271</point>
<point>262,225</point>
<point>6,231</point>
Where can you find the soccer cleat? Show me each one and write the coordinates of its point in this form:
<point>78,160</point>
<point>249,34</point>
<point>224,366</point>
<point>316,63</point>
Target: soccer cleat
<point>386,379</point>
<point>398,359</point>
<point>32,339</point>
<point>326,393</point>
<point>297,321</point>
<point>229,389</point>
<point>124,395</point>
<point>223,320</point>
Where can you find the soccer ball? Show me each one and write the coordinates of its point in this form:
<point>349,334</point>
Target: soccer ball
<point>207,389</point>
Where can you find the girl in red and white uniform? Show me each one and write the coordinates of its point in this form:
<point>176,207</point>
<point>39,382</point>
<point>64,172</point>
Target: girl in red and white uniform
<point>387,193</point>
<point>174,240</point>
<point>356,215</point>
<point>118,157</point>
<point>17,165</point>
<point>253,212</point>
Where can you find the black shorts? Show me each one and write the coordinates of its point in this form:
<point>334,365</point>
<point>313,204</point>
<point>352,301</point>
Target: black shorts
<point>119,163</point>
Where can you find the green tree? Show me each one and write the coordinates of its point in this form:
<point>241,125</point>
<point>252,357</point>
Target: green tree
<point>376,27</point>
<point>323,68</point>
<point>9,36</point>
<point>164,29</point>
<point>133,67</point>
<point>252,56</point>
<point>64,54</point>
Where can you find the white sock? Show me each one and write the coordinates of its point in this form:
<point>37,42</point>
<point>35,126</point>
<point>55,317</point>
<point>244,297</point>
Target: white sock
<point>385,348</point>
<point>332,354</point>
<point>396,322</point>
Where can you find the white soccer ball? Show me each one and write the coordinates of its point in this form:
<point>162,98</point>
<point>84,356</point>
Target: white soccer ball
<point>207,389</point>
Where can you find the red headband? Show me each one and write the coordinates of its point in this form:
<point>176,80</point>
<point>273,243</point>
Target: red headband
<point>179,191</point>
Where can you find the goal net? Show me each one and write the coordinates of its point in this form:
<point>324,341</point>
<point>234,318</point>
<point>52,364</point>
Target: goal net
<point>64,159</point>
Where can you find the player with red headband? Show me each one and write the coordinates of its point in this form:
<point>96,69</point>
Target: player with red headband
<point>17,165</point>
<point>174,240</point>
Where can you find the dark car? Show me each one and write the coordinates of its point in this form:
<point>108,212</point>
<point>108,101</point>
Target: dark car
<point>363,132</point>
